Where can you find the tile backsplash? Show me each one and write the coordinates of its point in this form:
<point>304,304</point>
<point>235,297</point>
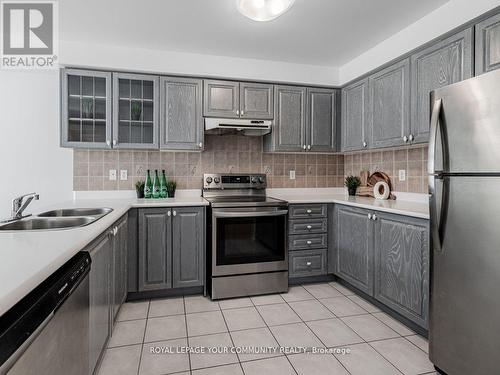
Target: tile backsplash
<point>223,154</point>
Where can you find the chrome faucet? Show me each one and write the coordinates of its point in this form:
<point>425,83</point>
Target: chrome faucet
<point>19,204</point>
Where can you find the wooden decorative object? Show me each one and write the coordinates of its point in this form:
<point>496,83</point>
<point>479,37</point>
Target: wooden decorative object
<point>368,182</point>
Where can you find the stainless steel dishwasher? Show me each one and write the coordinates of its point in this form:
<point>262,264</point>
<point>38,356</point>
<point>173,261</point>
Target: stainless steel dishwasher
<point>47,331</point>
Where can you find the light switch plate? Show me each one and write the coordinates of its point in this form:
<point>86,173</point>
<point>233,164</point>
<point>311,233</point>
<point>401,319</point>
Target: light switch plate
<point>112,174</point>
<point>402,175</point>
<point>123,175</point>
<point>292,175</point>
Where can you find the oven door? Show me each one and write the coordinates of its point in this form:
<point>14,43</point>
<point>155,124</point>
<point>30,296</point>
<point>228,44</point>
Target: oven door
<point>249,240</point>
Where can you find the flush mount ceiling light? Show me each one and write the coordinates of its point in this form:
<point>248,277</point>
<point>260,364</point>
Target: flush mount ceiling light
<point>263,10</point>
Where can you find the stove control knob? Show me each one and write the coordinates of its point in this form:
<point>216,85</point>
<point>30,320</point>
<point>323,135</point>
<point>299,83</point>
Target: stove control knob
<point>209,180</point>
<point>216,180</point>
<point>262,180</point>
<point>254,180</point>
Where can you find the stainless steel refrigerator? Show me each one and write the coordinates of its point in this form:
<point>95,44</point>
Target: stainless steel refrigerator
<point>464,183</point>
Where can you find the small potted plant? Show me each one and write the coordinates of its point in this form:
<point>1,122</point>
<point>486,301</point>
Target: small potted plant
<point>171,186</point>
<point>352,183</point>
<point>139,188</point>
<point>136,111</point>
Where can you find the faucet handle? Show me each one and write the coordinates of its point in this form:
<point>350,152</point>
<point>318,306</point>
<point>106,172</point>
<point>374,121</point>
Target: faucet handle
<point>18,206</point>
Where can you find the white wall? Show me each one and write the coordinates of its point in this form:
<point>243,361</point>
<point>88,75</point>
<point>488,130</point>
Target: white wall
<point>29,139</point>
<point>147,60</point>
<point>447,17</point>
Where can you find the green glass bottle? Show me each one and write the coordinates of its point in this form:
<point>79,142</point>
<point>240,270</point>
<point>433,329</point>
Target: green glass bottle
<point>163,185</point>
<point>148,186</point>
<point>156,185</point>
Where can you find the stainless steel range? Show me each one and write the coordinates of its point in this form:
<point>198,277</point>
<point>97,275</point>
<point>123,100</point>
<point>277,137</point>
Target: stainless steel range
<point>246,248</point>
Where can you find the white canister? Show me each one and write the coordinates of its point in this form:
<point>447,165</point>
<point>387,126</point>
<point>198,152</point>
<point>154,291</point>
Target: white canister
<point>381,190</point>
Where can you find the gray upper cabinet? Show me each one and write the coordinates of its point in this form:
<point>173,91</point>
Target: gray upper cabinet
<point>389,109</point>
<point>441,64</point>
<point>155,249</point>
<point>402,265</point>
<point>85,109</point>
<point>354,247</point>
<point>181,126</point>
<point>289,131</point>
<point>188,260</point>
<point>221,99</point>
<point>321,120</point>
<point>256,100</point>
<point>355,116</point>
<point>488,45</point>
<point>135,111</point>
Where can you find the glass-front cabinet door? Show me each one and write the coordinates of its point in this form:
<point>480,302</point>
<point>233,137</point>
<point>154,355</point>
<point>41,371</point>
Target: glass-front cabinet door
<point>86,109</point>
<point>135,111</point>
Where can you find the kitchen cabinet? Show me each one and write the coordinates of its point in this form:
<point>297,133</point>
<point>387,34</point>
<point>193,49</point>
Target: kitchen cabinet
<point>307,263</point>
<point>389,106</point>
<point>188,260</point>
<point>321,132</point>
<point>181,125</point>
<point>487,45</point>
<point>171,248</point>
<point>354,247</point>
<point>402,265</point>
<point>355,116</point>
<point>135,111</point>
<point>85,109</point>
<point>120,245</point>
<point>99,298</point>
<point>229,99</point>
<point>441,64</point>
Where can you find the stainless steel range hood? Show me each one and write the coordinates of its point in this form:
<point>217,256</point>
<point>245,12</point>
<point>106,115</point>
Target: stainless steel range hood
<point>221,126</point>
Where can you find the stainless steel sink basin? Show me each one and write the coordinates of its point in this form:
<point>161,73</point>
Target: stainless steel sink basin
<point>38,223</point>
<point>69,212</point>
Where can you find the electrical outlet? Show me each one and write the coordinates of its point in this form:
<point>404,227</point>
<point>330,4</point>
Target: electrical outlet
<point>402,175</point>
<point>112,174</point>
<point>123,175</point>
<point>292,175</point>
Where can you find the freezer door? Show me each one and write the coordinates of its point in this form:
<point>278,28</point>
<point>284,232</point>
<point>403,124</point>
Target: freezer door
<point>464,324</point>
<point>468,130</point>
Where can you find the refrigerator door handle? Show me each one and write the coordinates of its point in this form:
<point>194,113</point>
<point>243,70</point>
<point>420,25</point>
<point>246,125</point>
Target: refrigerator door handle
<point>436,111</point>
<point>434,220</point>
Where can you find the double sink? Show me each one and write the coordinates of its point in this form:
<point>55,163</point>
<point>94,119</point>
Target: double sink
<point>58,219</point>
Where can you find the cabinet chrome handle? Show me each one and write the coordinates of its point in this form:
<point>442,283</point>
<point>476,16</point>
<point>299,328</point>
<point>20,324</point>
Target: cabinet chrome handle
<point>169,213</point>
<point>308,211</point>
<point>200,145</point>
<point>114,142</point>
<point>309,242</point>
<point>369,216</point>
<point>174,213</point>
<point>374,217</point>
<point>405,139</point>
<point>365,144</point>
<point>238,112</point>
<point>411,138</point>
<point>108,142</point>
<point>304,147</point>
<point>242,113</point>
<point>308,264</point>
<point>308,147</point>
<point>309,227</point>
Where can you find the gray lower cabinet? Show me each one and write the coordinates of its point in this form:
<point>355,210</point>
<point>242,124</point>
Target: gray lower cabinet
<point>99,298</point>
<point>221,99</point>
<point>188,256</point>
<point>306,263</point>
<point>441,64</point>
<point>181,124</point>
<point>256,101</point>
<point>487,45</point>
<point>321,131</point>
<point>354,247</point>
<point>402,265</point>
<point>120,246</point>
<point>389,108</point>
<point>355,116</point>
<point>171,248</point>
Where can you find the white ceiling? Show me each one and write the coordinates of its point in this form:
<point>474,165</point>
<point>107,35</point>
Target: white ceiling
<point>313,32</point>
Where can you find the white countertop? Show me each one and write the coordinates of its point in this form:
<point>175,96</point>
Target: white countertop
<point>29,257</point>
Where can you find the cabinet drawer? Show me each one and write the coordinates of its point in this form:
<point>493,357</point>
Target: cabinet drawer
<point>304,226</point>
<point>307,241</point>
<point>307,263</point>
<point>302,211</point>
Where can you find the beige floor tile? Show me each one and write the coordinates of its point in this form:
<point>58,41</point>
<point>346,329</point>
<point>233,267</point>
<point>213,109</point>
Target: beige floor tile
<point>297,293</point>
<point>364,304</point>
<point>165,328</point>
<point>196,304</point>
<point>255,338</point>
<point>133,310</point>
<point>369,328</point>
<point>127,333</point>
<point>216,341</point>
<point>297,334</point>
<point>322,290</point>
<point>244,318</point>
<point>419,341</point>
<point>234,369</point>
<point>278,314</point>
<point>343,306</point>
<point>363,359</point>
<point>235,303</point>
<point>121,361</point>
<point>166,307</point>
<point>333,332</point>
<point>311,310</point>
<point>267,299</point>
<point>205,323</point>
<point>316,364</point>
<point>404,355</point>
<point>342,289</point>
<point>394,324</point>
<point>155,361</point>
<point>278,365</point>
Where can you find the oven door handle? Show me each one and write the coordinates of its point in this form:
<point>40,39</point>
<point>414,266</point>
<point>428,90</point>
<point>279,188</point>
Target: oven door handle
<point>250,214</point>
